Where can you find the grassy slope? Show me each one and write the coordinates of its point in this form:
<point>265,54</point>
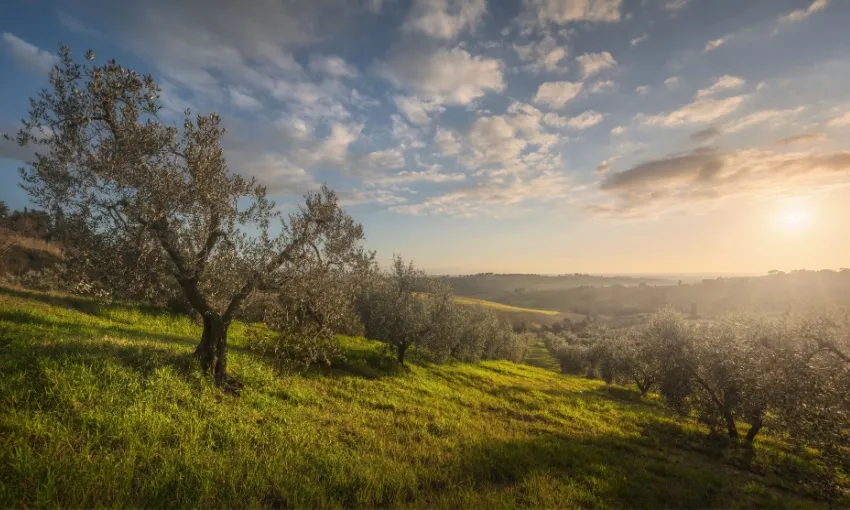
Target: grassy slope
<point>104,406</point>
<point>539,356</point>
<point>501,306</point>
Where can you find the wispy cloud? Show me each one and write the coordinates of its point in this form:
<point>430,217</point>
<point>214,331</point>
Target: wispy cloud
<point>27,55</point>
<point>716,43</point>
<point>802,14</point>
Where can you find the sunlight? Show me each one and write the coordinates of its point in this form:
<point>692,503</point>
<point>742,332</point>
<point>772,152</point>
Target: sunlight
<point>794,218</point>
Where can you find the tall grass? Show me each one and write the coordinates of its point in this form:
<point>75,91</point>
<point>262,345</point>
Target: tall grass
<point>104,406</point>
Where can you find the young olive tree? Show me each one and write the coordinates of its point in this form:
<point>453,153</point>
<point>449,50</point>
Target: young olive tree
<point>628,359</point>
<point>402,309</point>
<point>130,184</point>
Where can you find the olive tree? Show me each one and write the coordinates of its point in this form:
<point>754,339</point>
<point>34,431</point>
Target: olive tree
<point>138,185</point>
<point>810,393</point>
<point>628,359</point>
<point>401,308</point>
<point>721,370</point>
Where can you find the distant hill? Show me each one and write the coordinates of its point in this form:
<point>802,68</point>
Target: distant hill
<point>777,292</point>
<point>490,285</point>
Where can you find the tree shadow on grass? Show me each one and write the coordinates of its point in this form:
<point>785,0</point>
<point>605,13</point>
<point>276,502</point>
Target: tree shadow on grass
<point>46,328</point>
<point>364,362</point>
<point>615,472</point>
<point>85,305</point>
<point>23,360</point>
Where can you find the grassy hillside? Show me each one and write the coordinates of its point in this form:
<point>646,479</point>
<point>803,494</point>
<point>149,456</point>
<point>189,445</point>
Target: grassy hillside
<point>104,406</point>
<point>501,307</point>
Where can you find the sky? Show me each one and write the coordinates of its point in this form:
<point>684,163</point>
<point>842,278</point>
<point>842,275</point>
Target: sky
<point>531,136</point>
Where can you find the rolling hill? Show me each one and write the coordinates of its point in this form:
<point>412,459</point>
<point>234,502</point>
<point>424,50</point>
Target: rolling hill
<point>104,406</point>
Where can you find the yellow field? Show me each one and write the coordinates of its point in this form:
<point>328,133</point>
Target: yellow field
<point>500,306</point>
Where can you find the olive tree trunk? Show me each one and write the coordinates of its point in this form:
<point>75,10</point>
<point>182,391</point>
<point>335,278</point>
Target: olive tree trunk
<point>212,349</point>
<point>755,427</point>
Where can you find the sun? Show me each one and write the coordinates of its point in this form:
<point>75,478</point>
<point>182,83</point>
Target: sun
<point>794,218</point>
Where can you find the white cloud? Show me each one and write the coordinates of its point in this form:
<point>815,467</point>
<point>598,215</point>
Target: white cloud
<point>349,198</point>
<point>619,130</point>
<point>592,63</point>
<point>444,19</point>
<point>801,14</point>
<point>701,110</point>
<point>445,76</point>
<point>333,66</point>
<point>312,101</point>
<point>28,56</point>
<point>385,159</point>
<point>406,135</point>
<point>643,90</point>
<point>842,121</point>
<point>496,199</point>
<point>638,40</point>
<point>333,149</point>
<point>527,120</point>
<point>566,11</point>
<point>602,86</point>
<point>545,55</point>
<point>555,120</point>
<point>675,5</point>
<point>281,175</point>
<point>416,110</point>
<point>409,176</point>
<point>493,140</point>
<point>671,82</point>
<point>207,44</point>
<point>775,117</point>
<point>242,99</point>
<point>447,141</point>
<point>725,82</point>
<point>586,120</point>
<point>716,43</point>
<point>557,94</point>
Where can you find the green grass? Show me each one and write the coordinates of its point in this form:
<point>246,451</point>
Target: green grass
<point>501,307</point>
<point>539,356</point>
<point>103,406</point>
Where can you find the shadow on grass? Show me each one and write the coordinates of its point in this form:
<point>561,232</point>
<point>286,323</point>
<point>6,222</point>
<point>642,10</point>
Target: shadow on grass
<point>361,361</point>
<point>24,317</point>
<point>23,360</point>
<point>617,472</point>
<point>85,305</point>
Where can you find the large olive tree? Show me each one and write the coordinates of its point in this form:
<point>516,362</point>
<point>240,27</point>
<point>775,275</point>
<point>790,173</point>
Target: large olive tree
<point>125,180</point>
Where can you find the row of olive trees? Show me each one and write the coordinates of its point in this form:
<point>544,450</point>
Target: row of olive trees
<point>405,308</point>
<point>792,376</point>
<point>151,211</point>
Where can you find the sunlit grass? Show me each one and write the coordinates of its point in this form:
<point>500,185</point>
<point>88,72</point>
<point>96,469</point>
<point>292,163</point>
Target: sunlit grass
<point>104,406</point>
<point>501,306</point>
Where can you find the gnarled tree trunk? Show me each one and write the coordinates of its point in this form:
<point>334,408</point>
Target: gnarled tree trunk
<point>755,427</point>
<point>731,428</point>
<point>212,349</point>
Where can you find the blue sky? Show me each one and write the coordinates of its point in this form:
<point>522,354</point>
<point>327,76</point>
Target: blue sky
<point>532,136</point>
